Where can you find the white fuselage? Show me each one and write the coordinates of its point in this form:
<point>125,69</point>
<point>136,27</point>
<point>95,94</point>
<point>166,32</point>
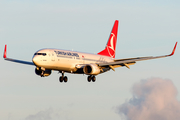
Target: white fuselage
<point>67,61</point>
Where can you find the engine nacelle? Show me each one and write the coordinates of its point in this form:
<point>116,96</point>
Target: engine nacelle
<point>91,69</point>
<point>42,73</point>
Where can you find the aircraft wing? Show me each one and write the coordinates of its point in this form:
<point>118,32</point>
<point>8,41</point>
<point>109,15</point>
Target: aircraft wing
<point>15,60</point>
<point>129,61</point>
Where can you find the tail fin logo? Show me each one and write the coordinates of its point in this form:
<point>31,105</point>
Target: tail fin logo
<point>112,42</point>
<point>110,46</point>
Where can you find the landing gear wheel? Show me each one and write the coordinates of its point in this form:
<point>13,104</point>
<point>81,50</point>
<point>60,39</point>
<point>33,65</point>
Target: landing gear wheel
<point>60,79</point>
<point>65,79</point>
<point>93,78</point>
<point>89,78</point>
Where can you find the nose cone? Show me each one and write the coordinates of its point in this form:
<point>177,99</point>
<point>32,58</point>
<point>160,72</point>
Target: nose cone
<point>35,60</point>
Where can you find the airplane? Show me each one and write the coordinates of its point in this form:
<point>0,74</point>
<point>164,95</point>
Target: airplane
<point>74,62</point>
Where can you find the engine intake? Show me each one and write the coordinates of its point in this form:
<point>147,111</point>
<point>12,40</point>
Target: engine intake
<point>41,72</point>
<point>91,69</point>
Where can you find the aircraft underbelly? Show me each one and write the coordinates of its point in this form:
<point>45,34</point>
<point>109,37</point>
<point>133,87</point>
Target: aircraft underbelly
<point>62,64</point>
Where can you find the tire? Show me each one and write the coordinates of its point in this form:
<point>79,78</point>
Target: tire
<point>65,79</point>
<point>89,78</point>
<point>60,79</point>
<point>93,78</point>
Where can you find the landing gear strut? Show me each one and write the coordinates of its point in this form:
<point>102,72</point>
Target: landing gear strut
<point>42,74</point>
<point>63,78</point>
<point>91,77</point>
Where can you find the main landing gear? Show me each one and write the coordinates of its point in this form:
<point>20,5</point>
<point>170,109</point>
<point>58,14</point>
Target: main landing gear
<point>63,78</point>
<point>91,77</point>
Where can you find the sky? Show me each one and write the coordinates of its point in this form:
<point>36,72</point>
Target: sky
<point>146,28</point>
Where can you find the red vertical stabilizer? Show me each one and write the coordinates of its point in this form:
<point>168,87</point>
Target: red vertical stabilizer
<point>110,49</point>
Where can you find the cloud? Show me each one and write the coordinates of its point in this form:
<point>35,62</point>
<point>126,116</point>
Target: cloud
<point>42,115</point>
<point>49,114</point>
<point>153,99</point>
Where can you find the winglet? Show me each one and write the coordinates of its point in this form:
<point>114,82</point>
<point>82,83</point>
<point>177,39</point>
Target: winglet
<point>5,51</point>
<point>173,50</point>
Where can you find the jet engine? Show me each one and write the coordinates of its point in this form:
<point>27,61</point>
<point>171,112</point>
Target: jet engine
<point>42,72</point>
<point>91,69</point>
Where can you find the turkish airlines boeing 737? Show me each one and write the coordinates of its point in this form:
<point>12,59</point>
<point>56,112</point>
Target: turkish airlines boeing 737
<point>73,62</point>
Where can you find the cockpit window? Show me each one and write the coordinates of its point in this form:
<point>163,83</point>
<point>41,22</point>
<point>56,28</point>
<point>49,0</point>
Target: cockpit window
<point>44,54</point>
